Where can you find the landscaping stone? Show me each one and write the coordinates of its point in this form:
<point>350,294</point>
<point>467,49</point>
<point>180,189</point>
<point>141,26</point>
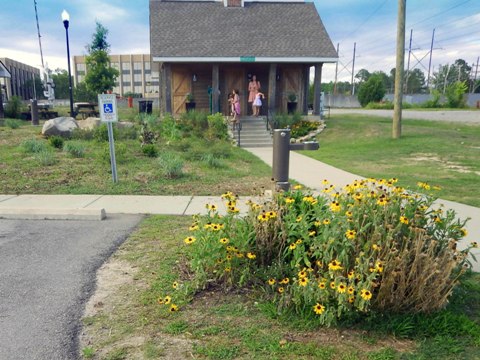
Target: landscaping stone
<point>60,126</point>
<point>89,123</point>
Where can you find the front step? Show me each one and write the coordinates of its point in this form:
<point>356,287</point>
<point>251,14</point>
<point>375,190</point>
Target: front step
<point>253,133</point>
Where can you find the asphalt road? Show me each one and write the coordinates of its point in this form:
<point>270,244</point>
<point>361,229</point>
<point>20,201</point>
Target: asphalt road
<point>47,273</point>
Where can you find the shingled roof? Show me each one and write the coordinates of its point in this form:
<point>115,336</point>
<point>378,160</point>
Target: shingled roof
<point>268,31</point>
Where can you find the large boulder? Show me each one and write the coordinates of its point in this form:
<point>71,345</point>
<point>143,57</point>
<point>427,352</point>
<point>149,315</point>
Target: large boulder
<point>60,126</point>
<point>89,123</point>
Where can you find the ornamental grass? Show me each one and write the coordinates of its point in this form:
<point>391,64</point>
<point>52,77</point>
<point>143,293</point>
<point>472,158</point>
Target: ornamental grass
<point>370,246</point>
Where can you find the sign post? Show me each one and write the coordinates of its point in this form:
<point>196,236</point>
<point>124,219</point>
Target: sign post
<point>107,104</point>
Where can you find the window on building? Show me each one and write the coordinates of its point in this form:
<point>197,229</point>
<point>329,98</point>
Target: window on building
<point>147,65</point>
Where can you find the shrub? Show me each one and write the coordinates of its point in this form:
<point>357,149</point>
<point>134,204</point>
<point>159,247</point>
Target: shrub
<point>169,129</point>
<point>455,94</point>
<point>75,149</point>
<point>212,161</point>
<point>195,122</point>
<point>171,165</point>
<point>100,133</point>
<point>126,133</point>
<point>14,107</point>
<point>83,134</point>
<point>34,146</point>
<point>303,128</point>
<point>370,246</point>
<point>150,150</point>
<point>56,142</point>
<point>217,127</point>
<point>373,90</point>
<point>434,102</point>
<point>46,157</point>
<point>13,123</point>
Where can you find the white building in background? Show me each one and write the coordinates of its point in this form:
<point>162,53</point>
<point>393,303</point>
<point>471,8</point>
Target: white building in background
<point>138,75</point>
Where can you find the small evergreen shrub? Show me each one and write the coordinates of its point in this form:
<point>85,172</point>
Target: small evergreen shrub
<point>33,145</point>
<point>75,149</point>
<point>150,150</point>
<point>455,94</point>
<point>56,142</point>
<point>13,123</point>
<point>171,165</point>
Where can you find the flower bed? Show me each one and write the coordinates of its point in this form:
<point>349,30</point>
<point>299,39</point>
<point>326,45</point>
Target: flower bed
<point>369,246</point>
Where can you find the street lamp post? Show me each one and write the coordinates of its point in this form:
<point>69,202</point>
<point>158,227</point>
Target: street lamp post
<point>66,21</point>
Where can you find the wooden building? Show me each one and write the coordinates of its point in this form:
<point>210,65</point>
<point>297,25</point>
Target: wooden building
<point>207,48</point>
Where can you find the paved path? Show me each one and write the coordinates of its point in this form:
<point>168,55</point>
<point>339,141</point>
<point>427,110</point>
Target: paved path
<point>47,273</point>
<point>464,116</point>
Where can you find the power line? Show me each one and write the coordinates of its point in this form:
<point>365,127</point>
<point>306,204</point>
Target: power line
<point>440,13</point>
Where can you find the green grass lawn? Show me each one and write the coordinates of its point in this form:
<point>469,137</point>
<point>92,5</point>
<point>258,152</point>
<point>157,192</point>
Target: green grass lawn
<point>439,153</point>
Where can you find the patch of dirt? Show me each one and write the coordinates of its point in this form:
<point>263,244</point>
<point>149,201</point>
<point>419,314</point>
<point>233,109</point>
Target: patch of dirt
<point>446,164</point>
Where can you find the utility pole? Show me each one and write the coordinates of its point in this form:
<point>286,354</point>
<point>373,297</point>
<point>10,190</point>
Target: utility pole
<point>336,73</point>
<point>408,62</point>
<point>475,78</point>
<point>397,100</point>
<point>446,79</point>
<point>430,61</point>
<point>353,67</point>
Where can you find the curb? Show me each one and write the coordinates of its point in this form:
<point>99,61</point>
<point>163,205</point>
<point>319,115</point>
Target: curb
<point>52,214</point>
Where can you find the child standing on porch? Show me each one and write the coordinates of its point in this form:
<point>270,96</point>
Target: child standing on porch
<point>236,109</point>
<point>257,103</point>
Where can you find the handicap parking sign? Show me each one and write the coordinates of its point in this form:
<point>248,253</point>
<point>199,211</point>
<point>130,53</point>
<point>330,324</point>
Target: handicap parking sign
<point>107,108</point>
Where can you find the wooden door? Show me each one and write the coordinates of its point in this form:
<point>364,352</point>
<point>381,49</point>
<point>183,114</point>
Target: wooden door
<point>292,84</point>
<point>181,86</point>
<point>235,79</point>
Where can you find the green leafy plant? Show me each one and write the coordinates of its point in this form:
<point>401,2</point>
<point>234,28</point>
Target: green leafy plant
<point>170,131</point>
<point>46,157</point>
<point>88,352</point>
<point>455,94</point>
<point>75,149</point>
<point>212,161</point>
<point>14,107</point>
<point>13,123</point>
<point>371,245</point>
<point>373,90</point>
<point>56,142</point>
<point>189,98</point>
<point>150,150</point>
<point>171,165</point>
<point>292,97</point>
<point>217,127</point>
<point>100,133</point>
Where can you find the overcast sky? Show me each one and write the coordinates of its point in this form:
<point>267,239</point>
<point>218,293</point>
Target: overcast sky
<point>370,23</point>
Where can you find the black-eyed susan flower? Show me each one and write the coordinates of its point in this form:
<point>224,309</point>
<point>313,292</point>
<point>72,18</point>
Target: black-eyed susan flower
<point>375,247</point>
<point>404,220</point>
<point>299,241</point>
<point>350,234</point>
<point>297,187</point>
<point>341,288</point>
<point>251,256</point>
<point>299,218</point>
<point>231,203</point>
<point>193,227</point>
<point>289,200</point>
<point>303,281</point>
<point>334,265</point>
<point>285,281</point>
<point>233,210</point>
<point>175,285</point>
<point>335,206</point>
<point>292,246</point>
<point>302,274</point>
<point>229,257</point>
<point>312,233</point>
<point>271,281</point>
<point>189,240</point>
<point>263,217</point>
<point>351,274</point>
<point>271,214</point>
<point>351,290</point>
<point>379,266</point>
<point>239,255</point>
<point>464,232</point>
<point>173,308</point>
<point>382,201</point>
<point>216,227</point>
<point>348,214</point>
<point>224,240</point>
<point>211,207</point>
<point>351,299</point>
<point>167,300</point>
<point>474,244</point>
<point>365,294</point>
<point>322,285</point>
<point>160,301</point>
<point>333,285</point>
<point>318,309</point>
<point>326,221</point>
<point>281,290</point>
<point>228,269</point>
<point>358,196</point>
<point>325,182</point>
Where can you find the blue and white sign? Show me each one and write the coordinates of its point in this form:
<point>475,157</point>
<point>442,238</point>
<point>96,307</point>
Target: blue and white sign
<point>108,107</point>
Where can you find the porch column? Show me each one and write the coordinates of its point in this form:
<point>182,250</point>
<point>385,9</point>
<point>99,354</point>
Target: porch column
<point>272,87</point>
<point>306,87</point>
<point>317,88</point>
<point>215,89</point>
<point>168,87</point>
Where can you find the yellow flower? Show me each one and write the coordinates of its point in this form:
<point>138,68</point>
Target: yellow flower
<point>382,201</point>
<point>376,247</point>
<point>228,269</point>
<point>271,281</point>
<point>193,227</point>
<point>233,210</point>
<point>297,187</point>
<point>474,244</point>
<point>464,232</point>
<point>299,219</point>
<point>334,265</point>
<point>335,206</point>
<point>350,290</point>
<point>350,234</point>
<point>351,299</point>
<point>358,196</point>
<point>281,290</point>
<point>298,242</point>
<point>325,182</point>
<point>263,217</point>
<point>160,301</point>
<point>289,200</point>
<point>229,257</point>
<point>310,199</point>
<point>224,240</point>
<point>216,227</point>
<point>292,246</point>
<point>317,223</point>
<point>230,248</point>
<point>189,240</point>
<point>271,214</point>
<point>341,288</point>
<point>211,207</point>
<point>332,285</point>
<point>303,281</point>
<point>326,222</point>
<point>251,256</point>
<point>175,284</point>
<point>312,233</point>
<point>239,255</point>
<point>351,274</point>
<point>349,214</point>
<point>173,308</point>
<point>228,195</point>
<point>404,220</point>
<point>322,285</point>
<point>379,266</point>
<point>285,281</point>
<point>207,226</point>
<point>319,309</point>
<point>167,300</point>
<point>302,274</point>
<point>365,294</point>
